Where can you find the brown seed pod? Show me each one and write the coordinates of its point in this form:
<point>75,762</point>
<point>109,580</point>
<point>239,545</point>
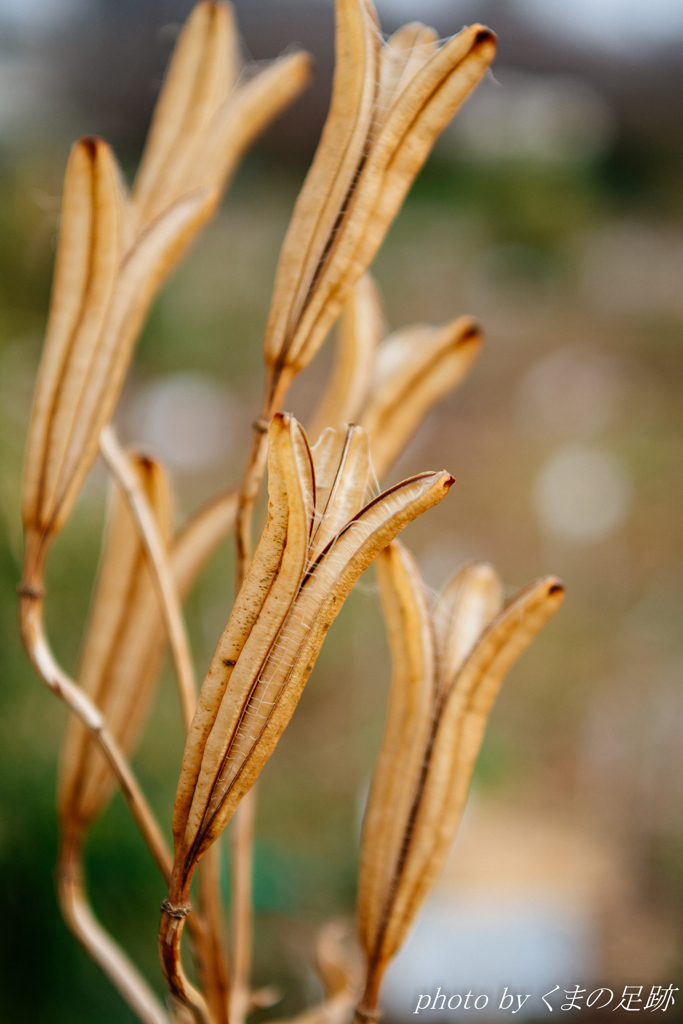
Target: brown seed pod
<point>389,103</point>
<point>448,668</point>
<point>114,252</point>
<point>389,384</point>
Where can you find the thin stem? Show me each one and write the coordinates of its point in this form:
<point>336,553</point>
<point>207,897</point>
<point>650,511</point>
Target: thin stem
<point>174,911</point>
<point>245,815</point>
<point>243,820</point>
<point>276,389</point>
<point>208,941</point>
<point>97,943</point>
<point>367,1011</point>
<point>242,842</point>
<point>211,946</point>
<point>121,469</point>
<point>56,680</point>
<point>170,934</point>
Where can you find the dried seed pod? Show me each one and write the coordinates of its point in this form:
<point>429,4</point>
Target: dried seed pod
<point>205,118</point>
<point>406,732</point>
<point>290,597</point>
<point>387,109</point>
<point>389,386</point>
<point>99,300</point>
<point>200,76</point>
<point>341,460</point>
<point>414,369</point>
<point>126,636</point>
<point>121,651</point>
<point>402,56</point>
<point>248,111</point>
<point>114,253</point>
<point>437,715</point>
<point>119,669</point>
<point>320,205</point>
<point>465,606</point>
<point>279,621</point>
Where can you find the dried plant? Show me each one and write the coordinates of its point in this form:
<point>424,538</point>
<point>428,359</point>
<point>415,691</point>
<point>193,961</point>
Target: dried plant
<point>324,526</point>
<point>449,663</point>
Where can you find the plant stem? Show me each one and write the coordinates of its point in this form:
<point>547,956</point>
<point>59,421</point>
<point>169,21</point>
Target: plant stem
<point>245,815</point>
<point>97,943</point>
<point>56,680</point>
<point>209,945</point>
<point>243,820</point>
<point>242,842</point>
<point>121,469</point>
<point>170,933</point>
<point>173,913</point>
<point>366,1010</point>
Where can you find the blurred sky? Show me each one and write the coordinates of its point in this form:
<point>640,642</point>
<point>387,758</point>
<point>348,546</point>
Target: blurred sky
<point>612,24</point>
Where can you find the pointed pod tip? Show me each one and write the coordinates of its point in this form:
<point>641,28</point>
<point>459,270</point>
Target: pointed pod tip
<point>305,59</point>
<point>484,35</point>
<point>279,421</point>
<point>92,144</point>
<point>473,333</point>
<point>212,9</point>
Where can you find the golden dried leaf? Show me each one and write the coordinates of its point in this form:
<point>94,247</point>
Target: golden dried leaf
<point>414,369</point>
<point>360,330</point>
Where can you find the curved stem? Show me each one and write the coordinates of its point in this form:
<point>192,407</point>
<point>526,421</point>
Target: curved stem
<point>245,815</point>
<point>242,842</point>
<point>243,821</point>
<point>367,1011</point>
<point>56,680</point>
<point>276,389</point>
<point>173,913</point>
<point>97,943</point>
<point>121,469</point>
<point>209,946</point>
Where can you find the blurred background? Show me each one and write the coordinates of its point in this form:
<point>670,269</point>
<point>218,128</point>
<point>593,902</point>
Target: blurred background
<point>552,209</point>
